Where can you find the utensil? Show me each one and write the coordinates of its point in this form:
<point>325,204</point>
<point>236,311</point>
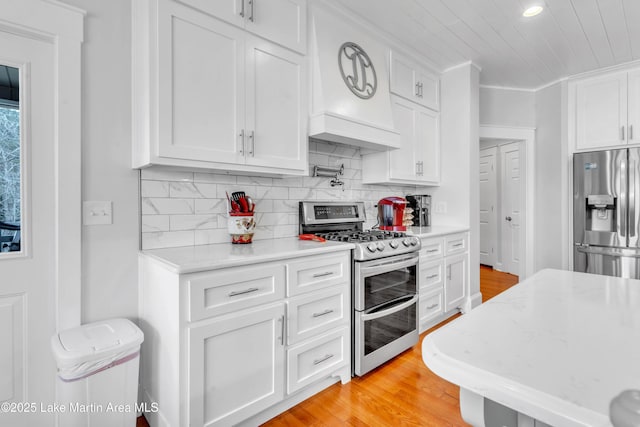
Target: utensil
<point>312,237</point>
<point>250,203</point>
<point>240,198</point>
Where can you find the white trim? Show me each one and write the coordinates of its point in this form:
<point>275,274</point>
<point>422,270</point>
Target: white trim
<point>555,82</point>
<point>516,89</point>
<point>627,66</point>
<point>528,136</point>
<point>464,64</point>
<point>63,26</point>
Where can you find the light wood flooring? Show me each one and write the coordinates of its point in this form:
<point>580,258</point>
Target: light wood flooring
<point>402,392</point>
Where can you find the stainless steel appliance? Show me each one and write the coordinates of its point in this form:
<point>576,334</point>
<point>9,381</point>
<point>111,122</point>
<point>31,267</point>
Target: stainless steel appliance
<point>384,295</point>
<point>606,212</point>
<point>391,214</point>
<point>421,206</point>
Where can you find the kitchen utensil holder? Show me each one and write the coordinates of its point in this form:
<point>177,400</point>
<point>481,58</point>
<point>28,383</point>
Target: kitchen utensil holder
<point>330,172</point>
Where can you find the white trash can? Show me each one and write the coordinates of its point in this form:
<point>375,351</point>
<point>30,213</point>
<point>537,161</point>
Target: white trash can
<point>97,382</point>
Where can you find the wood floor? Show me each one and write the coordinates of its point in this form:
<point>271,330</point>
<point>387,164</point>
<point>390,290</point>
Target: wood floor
<point>402,392</point>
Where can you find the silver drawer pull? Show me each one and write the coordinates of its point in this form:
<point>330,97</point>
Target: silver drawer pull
<point>323,313</point>
<point>429,307</point>
<point>319,361</point>
<point>433,276</point>
<point>326,273</point>
<point>457,245</point>
<point>246,291</point>
<point>430,251</point>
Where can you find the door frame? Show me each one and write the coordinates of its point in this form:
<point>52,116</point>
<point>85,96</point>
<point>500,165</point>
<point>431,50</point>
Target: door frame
<point>62,25</point>
<point>522,189</point>
<point>527,135</point>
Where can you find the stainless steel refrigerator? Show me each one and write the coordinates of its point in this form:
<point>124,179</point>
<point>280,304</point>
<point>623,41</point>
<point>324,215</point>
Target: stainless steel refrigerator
<point>606,211</point>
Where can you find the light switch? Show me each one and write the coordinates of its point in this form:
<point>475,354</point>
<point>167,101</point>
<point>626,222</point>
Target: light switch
<point>440,207</point>
<point>96,213</point>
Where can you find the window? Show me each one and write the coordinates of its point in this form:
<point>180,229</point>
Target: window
<point>10,157</point>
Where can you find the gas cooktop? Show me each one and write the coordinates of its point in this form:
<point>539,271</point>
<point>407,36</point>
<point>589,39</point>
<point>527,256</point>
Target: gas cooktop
<point>361,236</point>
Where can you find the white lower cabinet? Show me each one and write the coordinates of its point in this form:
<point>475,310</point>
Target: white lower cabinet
<point>239,345</point>
<point>443,277</point>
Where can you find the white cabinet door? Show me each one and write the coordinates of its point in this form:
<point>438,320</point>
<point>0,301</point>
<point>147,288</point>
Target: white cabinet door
<point>275,107</point>
<point>411,82</point>
<point>633,107</point>
<point>455,279</point>
<point>402,162</point>
<point>236,366</point>
<point>232,11</point>
<point>601,111</point>
<point>200,87</point>
<point>427,146</point>
<point>281,21</point>
<point>428,89</point>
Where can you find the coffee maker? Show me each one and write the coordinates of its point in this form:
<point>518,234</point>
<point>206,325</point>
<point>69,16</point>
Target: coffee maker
<point>421,205</point>
<point>391,214</point>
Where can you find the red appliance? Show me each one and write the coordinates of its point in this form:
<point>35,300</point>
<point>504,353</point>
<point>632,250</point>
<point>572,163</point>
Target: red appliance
<point>391,213</point>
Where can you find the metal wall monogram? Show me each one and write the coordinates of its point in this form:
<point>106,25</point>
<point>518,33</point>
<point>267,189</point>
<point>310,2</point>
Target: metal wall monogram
<point>357,70</point>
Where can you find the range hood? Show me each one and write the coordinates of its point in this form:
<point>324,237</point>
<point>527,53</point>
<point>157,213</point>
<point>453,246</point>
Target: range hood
<point>351,103</point>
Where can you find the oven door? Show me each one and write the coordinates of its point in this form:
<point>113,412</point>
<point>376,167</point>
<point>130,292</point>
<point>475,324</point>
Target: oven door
<point>378,282</point>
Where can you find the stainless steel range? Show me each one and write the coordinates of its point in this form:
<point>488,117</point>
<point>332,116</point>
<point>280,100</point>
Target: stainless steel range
<point>384,293</point>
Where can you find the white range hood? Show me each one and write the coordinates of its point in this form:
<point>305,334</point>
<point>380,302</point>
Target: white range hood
<point>360,115</point>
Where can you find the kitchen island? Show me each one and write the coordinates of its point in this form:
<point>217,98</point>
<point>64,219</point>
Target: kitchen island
<point>554,349</point>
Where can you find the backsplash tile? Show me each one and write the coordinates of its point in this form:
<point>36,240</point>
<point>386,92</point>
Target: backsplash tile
<point>189,208</point>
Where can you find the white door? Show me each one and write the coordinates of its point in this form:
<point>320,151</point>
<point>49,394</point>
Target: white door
<point>601,105</point>
<point>512,196</point>
<point>27,282</point>
<point>488,207</point>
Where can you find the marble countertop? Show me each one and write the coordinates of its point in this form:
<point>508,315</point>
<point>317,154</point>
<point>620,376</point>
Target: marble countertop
<point>436,230</point>
<point>557,347</point>
<point>191,259</point>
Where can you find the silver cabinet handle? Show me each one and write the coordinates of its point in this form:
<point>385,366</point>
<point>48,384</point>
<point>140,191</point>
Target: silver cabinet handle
<point>251,16</point>
<point>242,9</point>
<point>457,245</point>
<point>449,273</point>
<point>326,273</point>
<point>508,218</point>
<point>281,320</point>
<point>241,142</point>
<point>429,307</point>
<point>432,250</point>
<point>630,132</point>
<point>252,139</point>
<point>622,133</point>
<point>417,88</point>
<point>421,92</point>
<point>246,291</point>
<point>433,276</point>
<point>323,313</point>
<point>322,359</point>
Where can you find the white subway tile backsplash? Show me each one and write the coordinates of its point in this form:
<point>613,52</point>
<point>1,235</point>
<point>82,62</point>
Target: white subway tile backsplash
<point>190,208</point>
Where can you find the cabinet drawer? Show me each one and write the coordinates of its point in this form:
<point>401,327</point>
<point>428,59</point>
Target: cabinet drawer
<point>310,274</point>
<point>432,249</point>
<point>320,311</point>
<point>232,289</point>
<point>456,244</point>
<point>430,306</point>
<point>431,275</point>
<point>314,359</point>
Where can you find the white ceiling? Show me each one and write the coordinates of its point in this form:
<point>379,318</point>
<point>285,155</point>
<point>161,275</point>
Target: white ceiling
<point>568,37</point>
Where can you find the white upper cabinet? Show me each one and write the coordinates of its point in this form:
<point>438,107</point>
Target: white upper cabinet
<point>417,161</point>
<point>280,21</point>
<point>606,110</point>
<point>414,83</point>
<point>208,94</point>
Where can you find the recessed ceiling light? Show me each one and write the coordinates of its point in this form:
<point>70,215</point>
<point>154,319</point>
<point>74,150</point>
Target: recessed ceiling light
<point>532,11</point>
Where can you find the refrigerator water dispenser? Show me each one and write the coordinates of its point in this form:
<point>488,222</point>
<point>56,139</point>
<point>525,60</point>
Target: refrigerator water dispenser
<point>601,212</point>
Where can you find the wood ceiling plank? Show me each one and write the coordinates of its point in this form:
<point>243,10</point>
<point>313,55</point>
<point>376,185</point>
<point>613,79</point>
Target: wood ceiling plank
<point>615,24</point>
<point>590,19</point>
<point>632,18</point>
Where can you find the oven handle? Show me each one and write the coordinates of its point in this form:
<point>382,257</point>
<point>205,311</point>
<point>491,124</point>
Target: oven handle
<point>396,305</point>
<point>388,266</point>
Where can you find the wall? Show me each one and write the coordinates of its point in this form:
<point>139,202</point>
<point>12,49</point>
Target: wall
<point>507,107</point>
<point>109,252</point>
<point>460,189</point>
<point>548,175</point>
<point>187,208</point>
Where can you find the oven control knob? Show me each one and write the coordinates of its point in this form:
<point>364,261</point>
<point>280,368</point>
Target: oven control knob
<point>371,247</point>
<point>406,242</point>
<point>414,242</point>
<point>393,244</point>
<point>380,246</point>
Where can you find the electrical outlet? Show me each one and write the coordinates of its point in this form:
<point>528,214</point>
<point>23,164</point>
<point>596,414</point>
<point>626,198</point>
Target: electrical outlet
<point>440,207</point>
<point>96,213</point>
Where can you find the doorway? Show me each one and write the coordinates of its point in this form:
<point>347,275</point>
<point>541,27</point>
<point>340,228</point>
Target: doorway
<point>502,185</point>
